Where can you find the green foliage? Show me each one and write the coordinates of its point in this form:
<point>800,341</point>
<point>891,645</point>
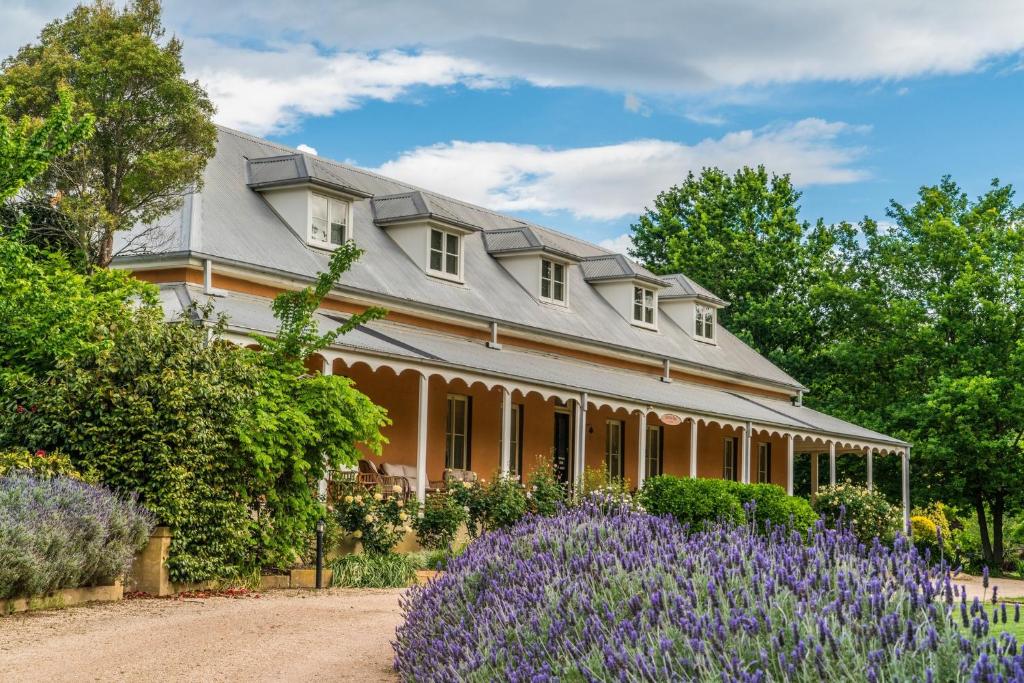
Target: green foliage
<point>505,503</point>
<point>597,480</point>
<point>377,519</point>
<point>439,522</point>
<point>695,502</point>
<point>868,513</point>
<point>771,504</point>
<point>153,132</point>
<point>938,526</point>
<point>472,498</point>
<point>40,463</point>
<point>387,570</point>
<point>28,146</point>
<point>545,494</point>
<point>435,560</point>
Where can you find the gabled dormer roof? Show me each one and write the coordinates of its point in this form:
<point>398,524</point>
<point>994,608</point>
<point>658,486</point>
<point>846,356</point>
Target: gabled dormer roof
<point>523,240</point>
<point>681,287</point>
<point>610,267</point>
<point>284,170</point>
<point>412,206</point>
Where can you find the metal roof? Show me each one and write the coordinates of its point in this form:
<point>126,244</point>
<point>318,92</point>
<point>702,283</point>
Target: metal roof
<point>247,313</point>
<point>525,239</point>
<point>682,287</point>
<point>617,267</point>
<point>230,223</point>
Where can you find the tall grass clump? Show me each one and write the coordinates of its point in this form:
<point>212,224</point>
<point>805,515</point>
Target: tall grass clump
<point>373,570</point>
<point>600,593</point>
<point>63,533</point>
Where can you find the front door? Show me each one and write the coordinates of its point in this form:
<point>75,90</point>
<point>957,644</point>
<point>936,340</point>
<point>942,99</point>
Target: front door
<point>561,452</point>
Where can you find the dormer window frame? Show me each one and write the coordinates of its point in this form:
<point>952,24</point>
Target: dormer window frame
<point>554,282</point>
<point>645,302</point>
<point>704,323</point>
<point>446,237</point>
<point>331,200</point>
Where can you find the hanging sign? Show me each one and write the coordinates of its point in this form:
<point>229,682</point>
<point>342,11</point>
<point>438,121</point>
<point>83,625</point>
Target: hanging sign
<point>671,420</point>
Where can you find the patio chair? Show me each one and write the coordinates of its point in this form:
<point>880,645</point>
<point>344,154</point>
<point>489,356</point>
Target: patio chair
<point>452,475</point>
<point>370,477</point>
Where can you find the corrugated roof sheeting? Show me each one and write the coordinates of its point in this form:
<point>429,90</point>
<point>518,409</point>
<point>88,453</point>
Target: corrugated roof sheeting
<point>252,314</point>
<point>237,225</point>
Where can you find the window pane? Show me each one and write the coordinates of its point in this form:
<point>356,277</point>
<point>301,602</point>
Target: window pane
<point>320,207</point>
<point>453,244</point>
<point>545,288</point>
<point>337,233</point>
<point>559,291</point>
<point>559,273</point>
<point>319,232</point>
<point>649,316</point>
<point>339,212</point>
<point>545,269</point>
<point>436,239</point>
<point>435,260</point>
<point>451,264</point>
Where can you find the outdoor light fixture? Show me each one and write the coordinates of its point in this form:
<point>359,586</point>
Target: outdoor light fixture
<point>320,527</point>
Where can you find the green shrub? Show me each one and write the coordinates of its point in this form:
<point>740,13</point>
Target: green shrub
<point>437,526</point>
<point>471,497</point>
<point>504,503</point>
<point>773,505</point>
<point>40,463</point>
<point>436,560</point>
<point>696,502</point>
<point>545,494</point>
<point>377,519</point>
<point>928,524</point>
<point>57,532</point>
<point>387,570</point>
<point>868,513</point>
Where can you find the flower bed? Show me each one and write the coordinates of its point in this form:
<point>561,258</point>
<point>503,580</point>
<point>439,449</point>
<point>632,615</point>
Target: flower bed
<point>615,594</point>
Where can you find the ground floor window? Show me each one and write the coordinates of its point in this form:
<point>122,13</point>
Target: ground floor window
<point>654,458</point>
<point>456,446</point>
<point>515,465</point>
<point>613,449</point>
<point>730,470</point>
<point>764,463</point>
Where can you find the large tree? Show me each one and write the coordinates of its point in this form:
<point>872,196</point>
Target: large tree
<point>153,133</point>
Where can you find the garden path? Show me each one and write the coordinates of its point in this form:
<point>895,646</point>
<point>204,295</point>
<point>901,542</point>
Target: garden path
<point>1008,588</point>
<point>286,635</point>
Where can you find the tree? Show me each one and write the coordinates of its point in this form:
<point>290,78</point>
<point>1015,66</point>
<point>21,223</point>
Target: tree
<point>740,236</point>
<point>947,282</point>
<point>153,133</point>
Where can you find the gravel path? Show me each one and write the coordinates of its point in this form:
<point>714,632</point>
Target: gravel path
<point>287,635</point>
<point>1008,588</point>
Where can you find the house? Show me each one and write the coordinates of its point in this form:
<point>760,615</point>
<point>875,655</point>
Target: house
<point>505,340</point>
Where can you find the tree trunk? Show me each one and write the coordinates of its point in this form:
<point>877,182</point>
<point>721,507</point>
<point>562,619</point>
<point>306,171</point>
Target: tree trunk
<point>106,253</point>
<point>986,543</point>
<point>998,505</point>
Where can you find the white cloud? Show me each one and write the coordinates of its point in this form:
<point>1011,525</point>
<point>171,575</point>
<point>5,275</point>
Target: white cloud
<point>265,91</point>
<point>705,119</point>
<point>634,104</point>
<point>612,181</point>
<point>621,244</point>
<point>306,148</point>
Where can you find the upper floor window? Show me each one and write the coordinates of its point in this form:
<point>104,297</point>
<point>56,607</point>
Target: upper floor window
<point>445,253</point>
<point>644,305</point>
<point>329,220</point>
<point>705,322</point>
<point>552,281</point>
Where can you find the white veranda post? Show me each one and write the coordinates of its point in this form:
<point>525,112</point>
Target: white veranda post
<point>580,456</point>
<point>832,463</point>
<point>506,430</point>
<point>641,448</point>
<point>789,464</point>
<point>421,442</point>
<point>693,448</point>
<point>321,487</point>
<point>906,489</point>
<point>745,473</point>
<point>814,473</point>
<point>871,469</point>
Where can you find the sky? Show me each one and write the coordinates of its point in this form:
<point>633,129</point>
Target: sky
<point>576,114</point>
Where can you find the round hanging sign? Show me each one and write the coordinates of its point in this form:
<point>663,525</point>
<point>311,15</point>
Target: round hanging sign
<point>671,420</point>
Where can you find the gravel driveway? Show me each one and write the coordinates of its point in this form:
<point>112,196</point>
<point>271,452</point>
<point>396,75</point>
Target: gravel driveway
<point>287,635</point>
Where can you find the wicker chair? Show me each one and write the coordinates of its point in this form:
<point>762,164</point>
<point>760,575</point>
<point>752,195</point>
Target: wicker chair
<point>368,477</point>
<point>451,476</point>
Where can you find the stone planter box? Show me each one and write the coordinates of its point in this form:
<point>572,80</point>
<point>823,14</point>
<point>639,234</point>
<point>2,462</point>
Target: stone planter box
<point>271,581</point>
<point>306,578</point>
<point>66,597</point>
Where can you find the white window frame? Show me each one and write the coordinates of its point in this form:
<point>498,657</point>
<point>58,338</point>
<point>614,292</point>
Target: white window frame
<point>730,459</point>
<point>443,272</point>
<point>704,322</point>
<point>452,458</point>
<point>345,206</point>
<point>649,304</point>
<point>552,280</point>
<point>764,463</point>
<point>655,449</point>
<point>618,428</point>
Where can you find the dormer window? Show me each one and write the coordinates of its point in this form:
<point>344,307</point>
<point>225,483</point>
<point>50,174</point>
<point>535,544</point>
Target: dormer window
<point>445,258</point>
<point>644,306</point>
<point>552,281</point>
<point>704,324</point>
<point>328,221</point>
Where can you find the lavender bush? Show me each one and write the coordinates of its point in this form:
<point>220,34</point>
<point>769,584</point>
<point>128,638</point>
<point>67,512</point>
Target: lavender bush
<point>64,533</point>
<point>600,593</point>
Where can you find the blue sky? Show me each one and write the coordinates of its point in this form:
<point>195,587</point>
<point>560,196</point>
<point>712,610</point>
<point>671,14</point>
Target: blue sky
<point>576,114</point>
